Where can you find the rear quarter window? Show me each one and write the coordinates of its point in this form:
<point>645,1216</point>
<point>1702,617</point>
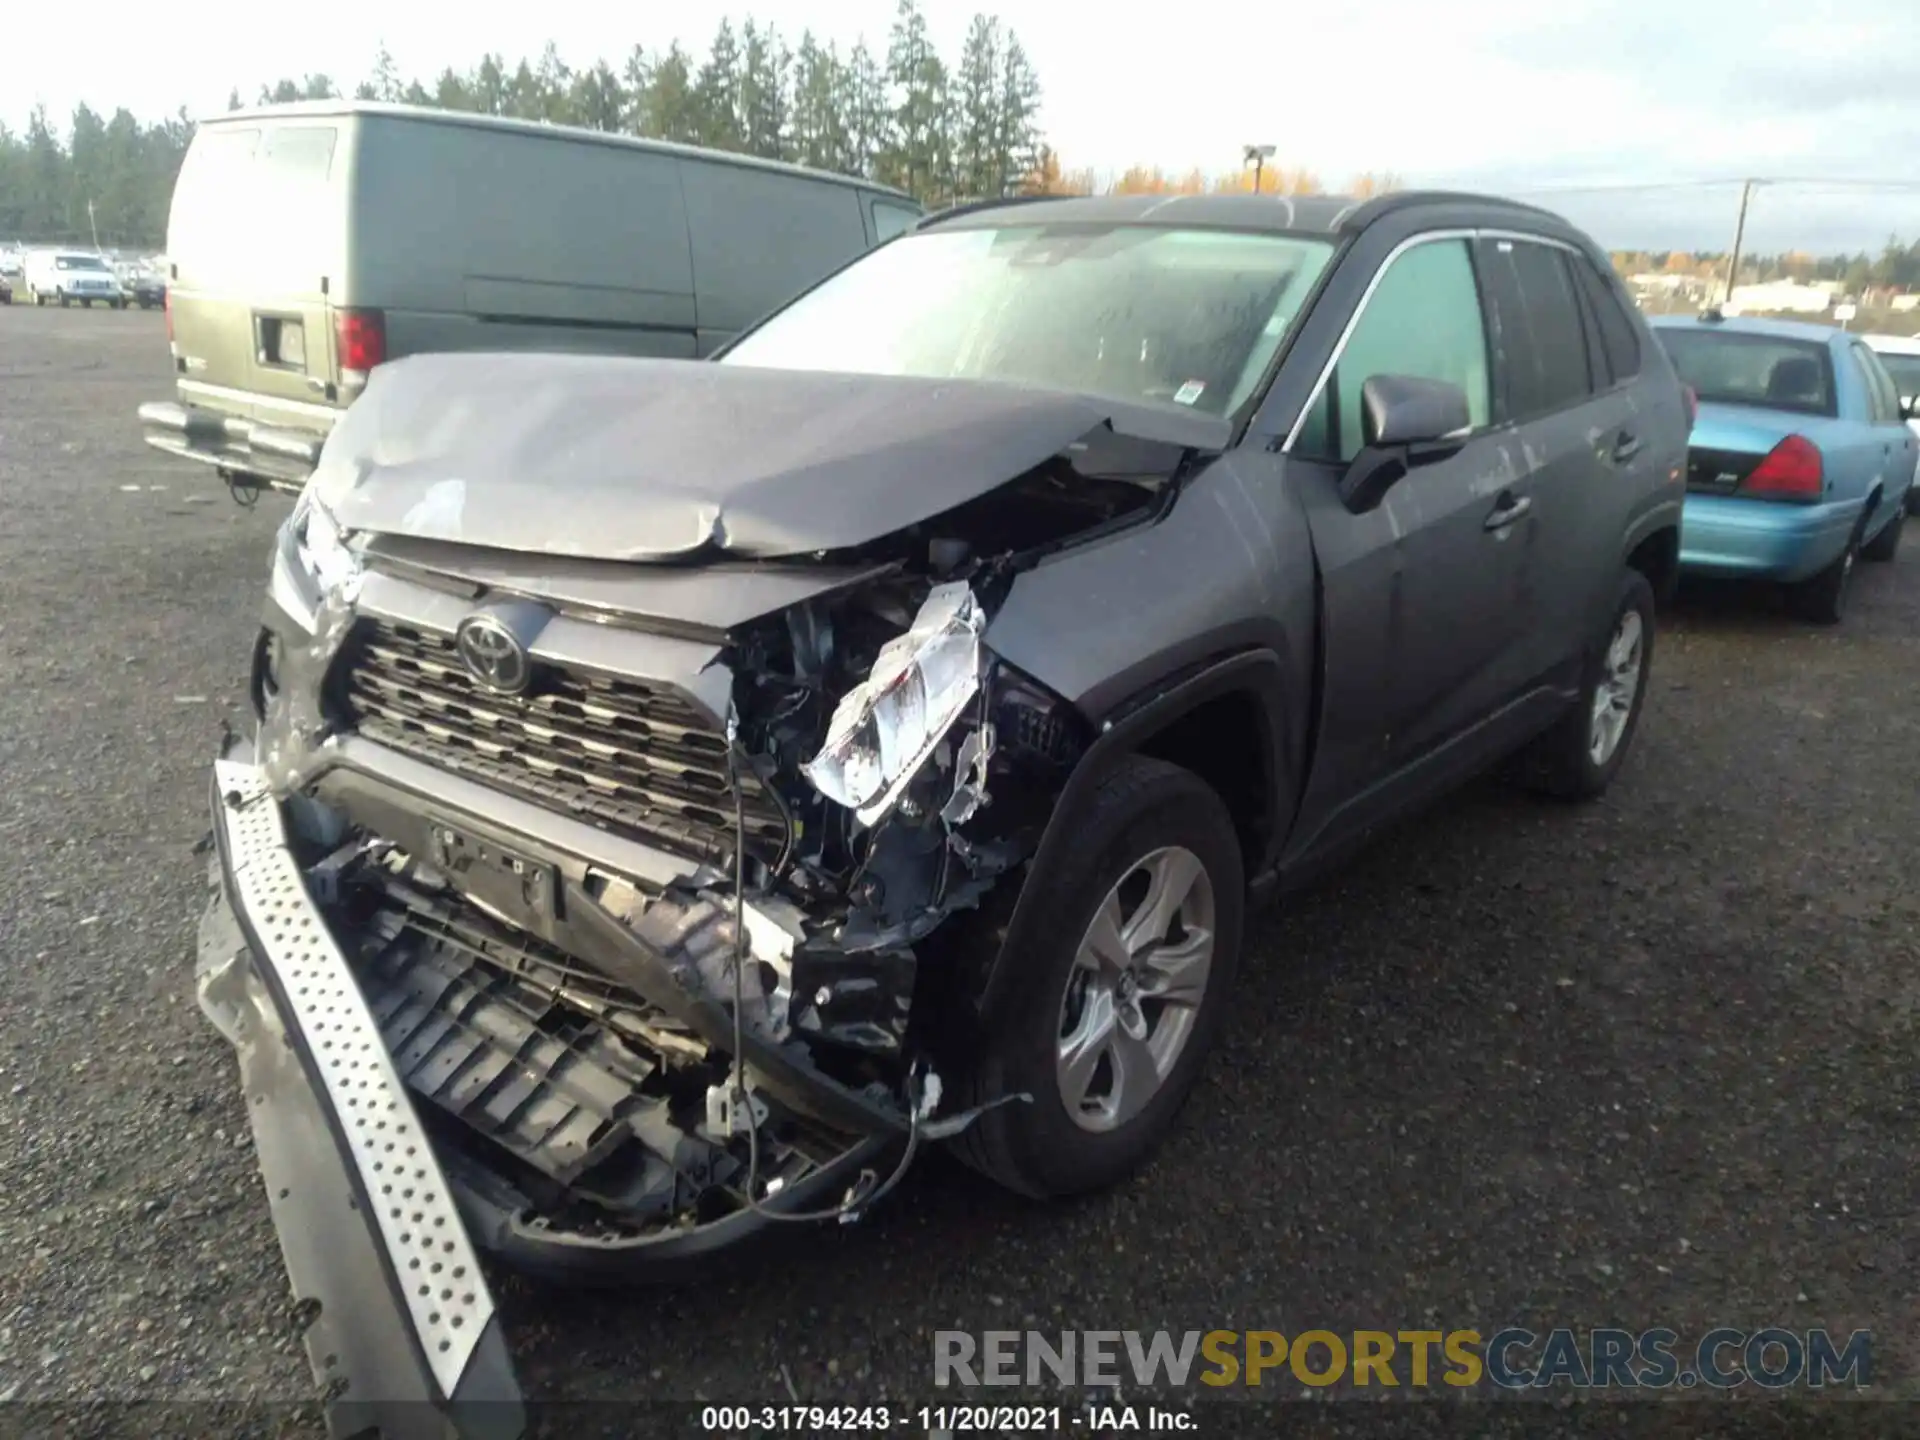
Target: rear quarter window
<point>1619,336</point>
<point>890,220</point>
<point>1772,372</point>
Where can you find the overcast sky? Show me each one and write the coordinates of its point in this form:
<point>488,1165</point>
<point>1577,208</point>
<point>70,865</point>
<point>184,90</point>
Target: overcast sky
<point>1515,95</point>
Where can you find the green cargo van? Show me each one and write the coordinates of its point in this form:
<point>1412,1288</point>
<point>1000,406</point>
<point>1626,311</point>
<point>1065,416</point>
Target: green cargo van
<point>308,243</point>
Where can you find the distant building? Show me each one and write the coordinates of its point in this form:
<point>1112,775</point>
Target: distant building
<point>1782,296</point>
<point>1905,302</point>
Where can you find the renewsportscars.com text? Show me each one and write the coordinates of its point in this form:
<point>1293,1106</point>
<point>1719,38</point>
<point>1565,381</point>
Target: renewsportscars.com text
<point>1509,1359</point>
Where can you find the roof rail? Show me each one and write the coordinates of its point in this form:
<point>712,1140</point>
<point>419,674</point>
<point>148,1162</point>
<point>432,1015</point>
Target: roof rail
<point>968,207</point>
<point>1372,209</point>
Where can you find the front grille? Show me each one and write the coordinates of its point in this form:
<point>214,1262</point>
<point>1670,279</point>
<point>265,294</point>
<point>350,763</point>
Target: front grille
<point>633,758</point>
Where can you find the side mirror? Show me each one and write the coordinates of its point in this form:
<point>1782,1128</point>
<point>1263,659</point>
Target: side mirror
<point>1405,420</point>
<point>1909,407</point>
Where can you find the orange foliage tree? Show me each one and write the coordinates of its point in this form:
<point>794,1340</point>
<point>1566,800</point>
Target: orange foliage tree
<point>1049,178</point>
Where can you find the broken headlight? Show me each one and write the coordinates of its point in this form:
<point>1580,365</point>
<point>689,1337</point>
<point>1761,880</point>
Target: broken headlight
<point>311,560</point>
<point>322,547</point>
<point>884,729</point>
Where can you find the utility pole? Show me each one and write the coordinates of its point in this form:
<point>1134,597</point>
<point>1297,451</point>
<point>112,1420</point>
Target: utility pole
<point>93,227</point>
<point>1257,156</point>
<point>1739,234</point>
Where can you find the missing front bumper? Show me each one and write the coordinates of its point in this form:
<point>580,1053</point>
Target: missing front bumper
<point>377,1193</point>
<point>405,1336</point>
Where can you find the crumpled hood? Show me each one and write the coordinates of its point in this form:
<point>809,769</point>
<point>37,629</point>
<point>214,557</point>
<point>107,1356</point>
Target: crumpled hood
<point>623,459</point>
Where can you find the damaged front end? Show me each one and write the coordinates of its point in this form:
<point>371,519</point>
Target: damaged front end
<point>634,907</point>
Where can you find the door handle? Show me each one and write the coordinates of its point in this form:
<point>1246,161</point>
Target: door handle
<point>1625,448</point>
<point>1509,509</point>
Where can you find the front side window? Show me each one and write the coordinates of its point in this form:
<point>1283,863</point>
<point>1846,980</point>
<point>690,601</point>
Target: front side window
<point>1422,320</point>
<point>78,262</point>
<point>1136,313</point>
<point>1904,371</point>
<point>1727,367</point>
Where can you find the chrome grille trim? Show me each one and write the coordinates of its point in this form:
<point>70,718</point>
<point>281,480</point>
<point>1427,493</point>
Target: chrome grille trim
<point>634,757</point>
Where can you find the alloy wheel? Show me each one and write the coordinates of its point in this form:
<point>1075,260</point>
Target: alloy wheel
<point>1136,987</point>
<point>1618,688</point>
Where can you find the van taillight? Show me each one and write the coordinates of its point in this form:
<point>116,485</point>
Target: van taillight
<point>1791,469</point>
<point>166,304</point>
<point>360,339</point>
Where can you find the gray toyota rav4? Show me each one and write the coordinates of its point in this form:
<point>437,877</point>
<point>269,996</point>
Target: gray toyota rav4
<point>685,790</point>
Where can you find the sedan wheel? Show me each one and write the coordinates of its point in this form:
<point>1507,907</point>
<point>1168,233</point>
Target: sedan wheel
<point>1137,984</point>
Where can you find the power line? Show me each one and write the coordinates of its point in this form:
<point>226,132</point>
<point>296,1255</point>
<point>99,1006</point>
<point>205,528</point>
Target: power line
<point>1837,183</point>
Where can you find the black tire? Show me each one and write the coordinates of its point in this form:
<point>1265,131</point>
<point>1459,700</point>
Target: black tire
<point>1823,599</point>
<point>65,299</point>
<point>118,304</point>
<point>1561,762</point>
<point>1886,544</point>
<point>1038,1148</point>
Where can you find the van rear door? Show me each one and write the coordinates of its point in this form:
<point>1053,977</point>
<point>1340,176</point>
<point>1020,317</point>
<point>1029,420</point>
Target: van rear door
<point>257,228</point>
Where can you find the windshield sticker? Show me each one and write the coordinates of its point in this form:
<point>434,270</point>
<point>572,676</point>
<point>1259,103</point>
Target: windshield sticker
<point>1189,392</point>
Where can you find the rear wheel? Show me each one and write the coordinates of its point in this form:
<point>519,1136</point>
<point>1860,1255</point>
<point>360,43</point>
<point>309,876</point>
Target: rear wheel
<point>1823,599</point>
<point>1120,992</point>
<point>1578,758</point>
<point>1886,544</point>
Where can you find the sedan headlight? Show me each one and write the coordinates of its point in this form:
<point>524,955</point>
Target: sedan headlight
<point>884,729</point>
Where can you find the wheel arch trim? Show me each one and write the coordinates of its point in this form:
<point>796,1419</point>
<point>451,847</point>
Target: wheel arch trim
<point>1257,673</point>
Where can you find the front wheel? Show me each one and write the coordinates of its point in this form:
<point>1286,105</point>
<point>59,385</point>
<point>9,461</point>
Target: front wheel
<point>1578,758</point>
<point>1121,990</point>
<point>65,299</point>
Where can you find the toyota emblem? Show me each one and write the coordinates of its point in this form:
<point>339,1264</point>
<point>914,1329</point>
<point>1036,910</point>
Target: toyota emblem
<point>493,655</point>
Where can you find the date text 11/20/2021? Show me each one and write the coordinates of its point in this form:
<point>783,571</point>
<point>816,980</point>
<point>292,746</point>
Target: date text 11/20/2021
<point>939,1419</point>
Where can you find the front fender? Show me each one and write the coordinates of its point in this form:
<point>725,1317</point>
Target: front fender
<point>1258,673</point>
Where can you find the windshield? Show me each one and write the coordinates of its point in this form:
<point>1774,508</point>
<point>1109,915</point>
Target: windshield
<point>1183,317</point>
<point>1775,373</point>
<point>78,262</point>
<point>1905,370</point>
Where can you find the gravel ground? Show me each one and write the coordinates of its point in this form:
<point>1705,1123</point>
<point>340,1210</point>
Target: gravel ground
<point>1646,1062</point>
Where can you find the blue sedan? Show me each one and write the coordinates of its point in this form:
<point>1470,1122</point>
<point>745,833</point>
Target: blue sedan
<point>1800,459</point>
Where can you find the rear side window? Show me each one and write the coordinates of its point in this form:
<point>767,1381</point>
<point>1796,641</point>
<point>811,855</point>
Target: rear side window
<point>1882,400</point>
<point>1537,327</point>
<point>891,220</point>
<point>1423,320</point>
<point>299,152</point>
<point>1619,336</point>
<point>1726,367</point>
